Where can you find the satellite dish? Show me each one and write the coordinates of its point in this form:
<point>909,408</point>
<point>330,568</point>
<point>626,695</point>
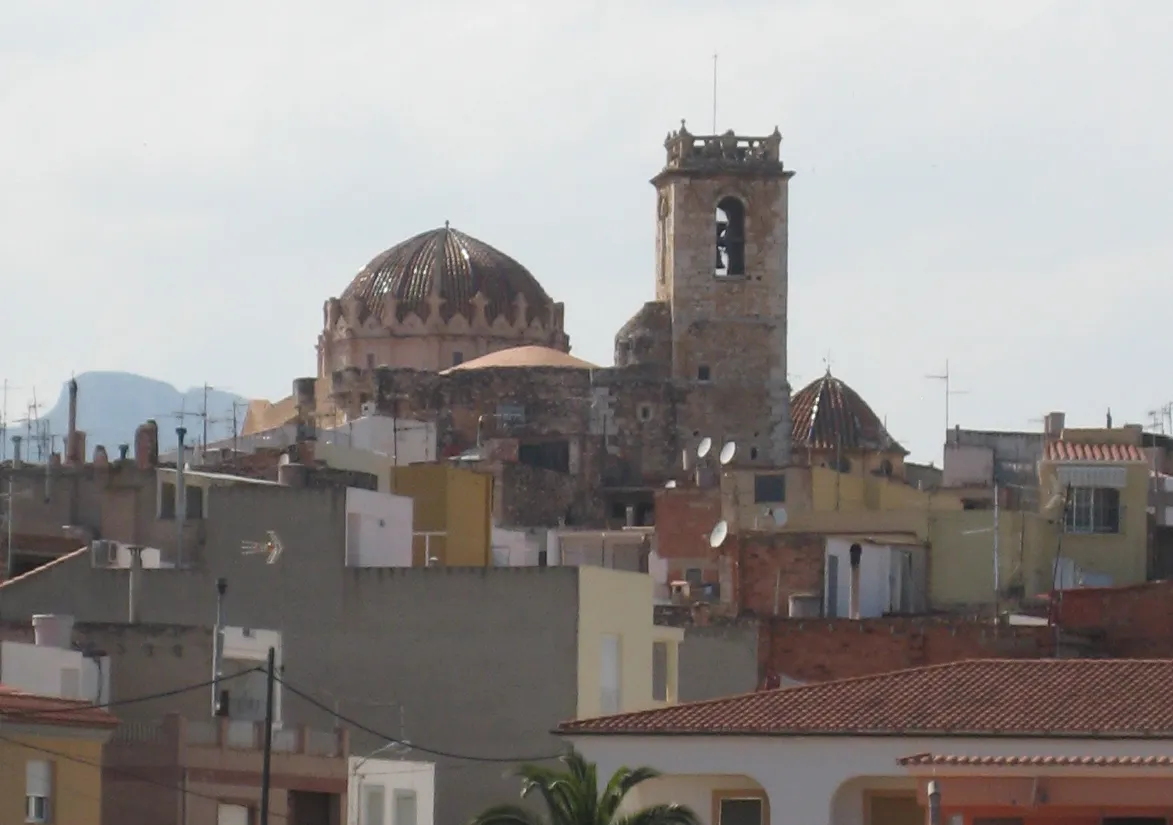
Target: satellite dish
<point>671,485</point>
<point>727,452</point>
<point>720,531</point>
<point>780,516</point>
<point>705,447</point>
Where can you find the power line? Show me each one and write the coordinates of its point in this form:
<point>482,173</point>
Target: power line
<point>167,694</point>
<point>118,772</point>
<point>421,748</point>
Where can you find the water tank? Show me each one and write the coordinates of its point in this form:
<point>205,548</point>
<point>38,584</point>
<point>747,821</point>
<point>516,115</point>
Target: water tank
<point>53,630</point>
<point>805,605</point>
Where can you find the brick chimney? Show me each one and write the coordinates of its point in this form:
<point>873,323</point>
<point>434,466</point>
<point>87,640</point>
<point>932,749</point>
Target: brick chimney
<point>72,454</point>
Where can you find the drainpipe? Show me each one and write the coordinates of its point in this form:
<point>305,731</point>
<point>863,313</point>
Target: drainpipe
<point>219,706</point>
<point>855,552</point>
<point>180,496</point>
<point>135,588</point>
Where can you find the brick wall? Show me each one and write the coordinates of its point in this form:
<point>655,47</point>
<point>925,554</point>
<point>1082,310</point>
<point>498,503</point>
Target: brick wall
<point>684,519</point>
<point>821,649</point>
<point>769,568</point>
<point>1132,621</point>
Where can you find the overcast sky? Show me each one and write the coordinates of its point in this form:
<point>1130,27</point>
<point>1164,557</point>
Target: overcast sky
<point>988,181</point>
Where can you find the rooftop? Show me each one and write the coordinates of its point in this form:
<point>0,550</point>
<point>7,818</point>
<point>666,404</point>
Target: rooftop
<point>529,356</point>
<point>1076,451</point>
<point>19,707</point>
<point>1108,698</point>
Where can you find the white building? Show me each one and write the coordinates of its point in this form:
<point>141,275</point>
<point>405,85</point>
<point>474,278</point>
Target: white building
<point>52,666</point>
<point>390,791</point>
<point>1020,738</point>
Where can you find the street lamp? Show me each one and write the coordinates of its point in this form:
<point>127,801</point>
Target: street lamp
<point>934,803</point>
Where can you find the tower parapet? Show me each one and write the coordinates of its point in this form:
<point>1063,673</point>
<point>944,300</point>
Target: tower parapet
<point>726,153</point>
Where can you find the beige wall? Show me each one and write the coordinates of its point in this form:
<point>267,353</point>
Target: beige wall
<point>76,774</point>
<point>619,602</point>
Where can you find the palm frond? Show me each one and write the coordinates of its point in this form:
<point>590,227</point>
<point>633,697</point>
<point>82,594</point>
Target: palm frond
<point>620,785</point>
<point>672,814</point>
<point>507,815</point>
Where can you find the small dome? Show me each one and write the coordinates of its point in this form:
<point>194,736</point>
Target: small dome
<point>456,267</point>
<point>520,357</point>
<point>827,415</point>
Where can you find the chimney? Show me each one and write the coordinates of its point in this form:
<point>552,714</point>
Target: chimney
<point>53,630</point>
<point>16,462</point>
<point>180,492</point>
<point>101,459</point>
<point>146,445</point>
<point>71,454</point>
<point>123,451</point>
<point>134,590</point>
<point>1053,424</point>
<point>1109,418</point>
<point>304,394</point>
<point>853,605</point>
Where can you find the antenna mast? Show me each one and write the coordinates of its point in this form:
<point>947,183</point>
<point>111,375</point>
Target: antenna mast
<point>714,93</point>
<point>949,391</point>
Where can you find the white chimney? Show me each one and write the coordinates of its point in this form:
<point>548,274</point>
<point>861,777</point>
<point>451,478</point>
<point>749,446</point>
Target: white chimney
<point>53,630</point>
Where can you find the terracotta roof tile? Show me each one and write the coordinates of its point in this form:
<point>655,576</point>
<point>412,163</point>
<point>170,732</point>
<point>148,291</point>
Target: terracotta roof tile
<point>992,697</point>
<point>943,760</point>
<point>827,414</point>
<point>1075,451</point>
<point>19,707</point>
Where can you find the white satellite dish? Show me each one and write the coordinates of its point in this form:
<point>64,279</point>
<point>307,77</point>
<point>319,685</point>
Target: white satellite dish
<point>705,447</point>
<point>727,452</point>
<point>780,516</point>
<point>671,485</point>
<point>720,531</point>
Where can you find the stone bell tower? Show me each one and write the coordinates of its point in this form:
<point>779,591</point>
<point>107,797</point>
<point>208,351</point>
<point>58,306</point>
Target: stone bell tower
<point>721,267</point>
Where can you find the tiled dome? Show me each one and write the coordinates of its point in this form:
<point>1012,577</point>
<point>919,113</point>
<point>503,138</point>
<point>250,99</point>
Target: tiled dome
<point>453,265</point>
<point>827,415</point>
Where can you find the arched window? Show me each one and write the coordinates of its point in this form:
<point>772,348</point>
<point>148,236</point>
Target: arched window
<point>730,262</point>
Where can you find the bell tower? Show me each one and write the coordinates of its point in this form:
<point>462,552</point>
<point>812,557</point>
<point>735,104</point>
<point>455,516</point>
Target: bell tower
<point>721,267</point>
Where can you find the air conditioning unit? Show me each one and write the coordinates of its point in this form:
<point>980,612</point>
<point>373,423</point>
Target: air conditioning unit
<point>680,591</point>
<point>369,408</point>
<point>104,553</point>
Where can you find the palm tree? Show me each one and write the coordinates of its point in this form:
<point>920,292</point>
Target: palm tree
<point>572,798</point>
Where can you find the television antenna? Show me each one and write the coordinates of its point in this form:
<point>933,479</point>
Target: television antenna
<point>272,547</point>
<point>945,377</point>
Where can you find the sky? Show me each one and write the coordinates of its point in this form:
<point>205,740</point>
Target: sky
<point>984,181</point>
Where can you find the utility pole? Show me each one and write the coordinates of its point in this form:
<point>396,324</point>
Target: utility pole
<point>267,765</point>
<point>236,405</point>
<point>204,415</point>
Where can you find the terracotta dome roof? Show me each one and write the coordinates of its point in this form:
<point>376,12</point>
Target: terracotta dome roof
<point>454,265</point>
<point>530,356</point>
<point>827,414</point>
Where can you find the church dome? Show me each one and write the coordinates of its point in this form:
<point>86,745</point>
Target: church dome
<point>827,415</point>
<point>455,267</point>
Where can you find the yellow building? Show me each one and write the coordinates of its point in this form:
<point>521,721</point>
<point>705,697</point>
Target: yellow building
<point>1094,498</point>
<point>626,662</point>
<point>452,513</point>
<point>51,750</point>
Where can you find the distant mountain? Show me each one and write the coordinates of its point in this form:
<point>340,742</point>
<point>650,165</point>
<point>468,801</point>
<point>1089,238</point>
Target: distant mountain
<point>110,405</point>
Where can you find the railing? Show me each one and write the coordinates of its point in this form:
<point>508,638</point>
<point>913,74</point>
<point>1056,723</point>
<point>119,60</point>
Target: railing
<point>233,734</point>
<point>136,732</point>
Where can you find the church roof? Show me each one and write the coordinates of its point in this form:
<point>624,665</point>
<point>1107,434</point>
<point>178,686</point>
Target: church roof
<point>453,265</point>
<point>827,414</point>
<point>530,356</point>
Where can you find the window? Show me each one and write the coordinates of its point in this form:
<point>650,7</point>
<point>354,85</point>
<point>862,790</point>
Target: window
<point>511,413</point>
<point>374,804</point>
<point>769,489</point>
<point>660,671</point>
<point>609,673</point>
<point>546,455</point>
<point>832,607</point>
<point>166,500</point>
<point>741,811</point>
<point>695,577</point>
<point>1093,510</point>
<point>645,412</point>
<point>457,359</point>
<point>38,790</point>
<point>730,261</point>
<point>405,808</point>
<point>702,372</point>
<point>194,506</point>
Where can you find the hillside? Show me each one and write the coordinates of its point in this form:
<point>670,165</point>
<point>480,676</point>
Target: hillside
<point>110,405</point>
